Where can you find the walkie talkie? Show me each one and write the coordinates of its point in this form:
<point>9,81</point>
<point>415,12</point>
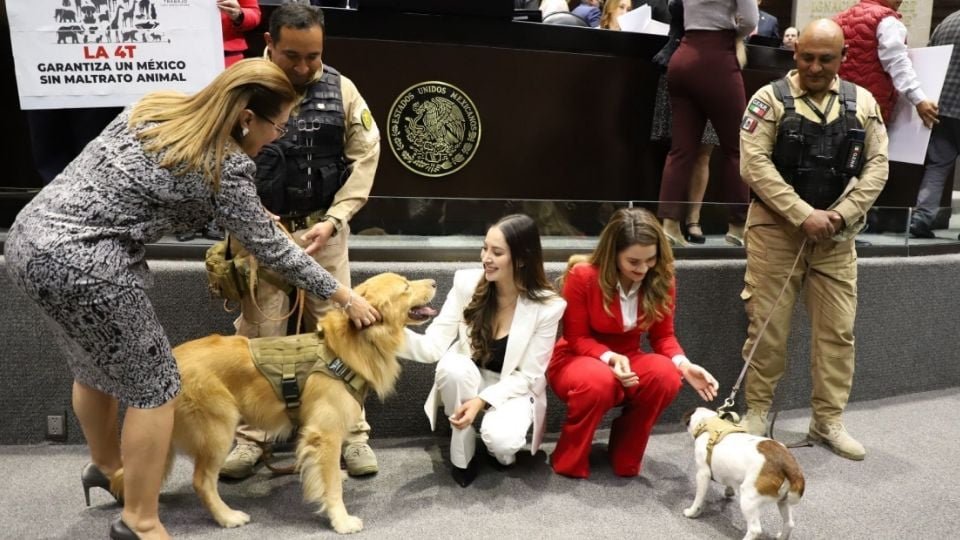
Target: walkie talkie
<point>853,156</point>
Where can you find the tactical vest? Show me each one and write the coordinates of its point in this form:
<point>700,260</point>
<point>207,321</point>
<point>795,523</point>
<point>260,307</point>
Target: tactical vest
<point>816,158</point>
<point>862,65</point>
<point>300,174</point>
<point>288,361</point>
<point>718,429</point>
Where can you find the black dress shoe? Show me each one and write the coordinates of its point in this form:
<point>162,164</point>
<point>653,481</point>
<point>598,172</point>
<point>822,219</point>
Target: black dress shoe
<point>465,477</point>
<point>186,236</point>
<point>120,531</point>
<point>694,238</point>
<point>213,232</point>
<point>921,230</point>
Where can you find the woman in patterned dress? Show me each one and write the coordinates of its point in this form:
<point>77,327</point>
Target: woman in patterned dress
<point>169,163</point>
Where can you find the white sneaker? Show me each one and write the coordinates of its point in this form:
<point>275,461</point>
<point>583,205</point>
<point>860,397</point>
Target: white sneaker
<point>834,436</point>
<point>755,422</point>
<point>241,461</point>
<point>360,459</point>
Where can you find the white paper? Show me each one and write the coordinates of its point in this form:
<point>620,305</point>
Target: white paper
<point>908,136</point>
<point>635,20</point>
<point>105,53</point>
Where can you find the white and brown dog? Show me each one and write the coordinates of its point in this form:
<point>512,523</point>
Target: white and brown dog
<point>763,469</point>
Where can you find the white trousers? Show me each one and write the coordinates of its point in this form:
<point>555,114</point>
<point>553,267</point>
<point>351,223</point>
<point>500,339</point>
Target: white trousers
<point>503,429</point>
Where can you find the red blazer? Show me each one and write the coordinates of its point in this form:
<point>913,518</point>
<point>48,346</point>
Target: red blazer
<point>589,331</point>
<point>233,40</point>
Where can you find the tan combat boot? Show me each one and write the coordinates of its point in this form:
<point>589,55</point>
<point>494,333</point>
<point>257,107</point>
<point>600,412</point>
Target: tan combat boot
<point>360,459</point>
<point>834,436</point>
<point>755,422</point>
<point>241,461</point>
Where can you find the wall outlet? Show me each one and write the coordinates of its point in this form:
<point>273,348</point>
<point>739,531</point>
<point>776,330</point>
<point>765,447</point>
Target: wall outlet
<point>57,427</point>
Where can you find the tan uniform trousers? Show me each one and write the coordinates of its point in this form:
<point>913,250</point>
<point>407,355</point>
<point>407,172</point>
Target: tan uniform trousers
<point>274,303</point>
<point>827,275</point>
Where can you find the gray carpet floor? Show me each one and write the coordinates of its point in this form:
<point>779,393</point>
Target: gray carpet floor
<point>907,488</point>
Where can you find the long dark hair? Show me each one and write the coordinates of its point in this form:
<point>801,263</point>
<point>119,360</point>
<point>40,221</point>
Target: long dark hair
<point>526,254</point>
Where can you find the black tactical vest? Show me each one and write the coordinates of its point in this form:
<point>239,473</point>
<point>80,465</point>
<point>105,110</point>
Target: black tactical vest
<point>817,158</point>
<point>300,173</point>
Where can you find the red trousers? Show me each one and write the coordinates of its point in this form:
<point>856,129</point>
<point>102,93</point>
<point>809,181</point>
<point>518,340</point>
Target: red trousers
<point>590,389</point>
<point>705,83</point>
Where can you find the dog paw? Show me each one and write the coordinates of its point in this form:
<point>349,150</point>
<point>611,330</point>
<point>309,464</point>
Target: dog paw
<point>233,518</point>
<point>729,492</point>
<point>348,525</point>
<point>692,512</point>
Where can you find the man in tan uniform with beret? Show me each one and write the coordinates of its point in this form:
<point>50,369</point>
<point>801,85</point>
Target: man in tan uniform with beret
<point>813,149</point>
<point>315,177</point>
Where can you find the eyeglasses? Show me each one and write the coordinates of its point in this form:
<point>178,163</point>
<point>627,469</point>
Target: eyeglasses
<point>281,130</point>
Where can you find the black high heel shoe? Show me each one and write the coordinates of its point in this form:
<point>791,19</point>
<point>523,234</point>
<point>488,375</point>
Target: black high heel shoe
<point>92,477</point>
<point>694,238</point>
<point>465,477</point>
<point>120,531</point>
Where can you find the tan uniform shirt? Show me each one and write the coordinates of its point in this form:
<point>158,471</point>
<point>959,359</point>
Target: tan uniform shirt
<point>758,136</point>
<point>361,147</point>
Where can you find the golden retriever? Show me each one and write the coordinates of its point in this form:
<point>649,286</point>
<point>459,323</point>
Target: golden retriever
<point>221,385</point>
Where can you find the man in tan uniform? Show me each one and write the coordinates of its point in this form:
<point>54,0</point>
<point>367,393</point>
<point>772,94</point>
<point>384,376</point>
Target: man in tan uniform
<point>315,177</point>
<point>813,149</point>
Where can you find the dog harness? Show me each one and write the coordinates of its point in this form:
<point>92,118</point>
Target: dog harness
<point>288,361</point>
<point>718,428</point>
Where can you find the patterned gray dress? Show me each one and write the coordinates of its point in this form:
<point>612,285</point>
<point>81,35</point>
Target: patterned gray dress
<point>662,125</point>
<point>78,249</point>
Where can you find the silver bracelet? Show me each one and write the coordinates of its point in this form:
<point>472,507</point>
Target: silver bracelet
<point>349,303</point>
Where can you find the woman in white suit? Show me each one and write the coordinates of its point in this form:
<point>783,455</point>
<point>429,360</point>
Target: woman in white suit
<point>492,341</point>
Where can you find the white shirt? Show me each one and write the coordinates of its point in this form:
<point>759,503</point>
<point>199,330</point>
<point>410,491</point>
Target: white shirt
<point>629,305</point>
<point>552,6</point>
<point>892,50</point>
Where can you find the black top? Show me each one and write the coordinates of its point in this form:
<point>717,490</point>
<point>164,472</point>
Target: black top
<point>498,349</point>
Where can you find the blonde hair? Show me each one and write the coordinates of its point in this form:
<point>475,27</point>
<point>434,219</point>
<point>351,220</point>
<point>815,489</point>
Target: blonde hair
<point>607,20</point>
<point>192,133</point>
<point>628,227</point>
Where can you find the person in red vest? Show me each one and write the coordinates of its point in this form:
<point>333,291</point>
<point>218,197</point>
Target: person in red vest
<point>876,57</point>
<point>236,18</point>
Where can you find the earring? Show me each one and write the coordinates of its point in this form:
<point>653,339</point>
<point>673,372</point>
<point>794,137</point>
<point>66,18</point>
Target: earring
<point>244,131</point>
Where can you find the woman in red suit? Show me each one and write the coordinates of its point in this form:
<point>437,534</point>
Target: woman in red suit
<point>237,17</point>
<point>625,288</point>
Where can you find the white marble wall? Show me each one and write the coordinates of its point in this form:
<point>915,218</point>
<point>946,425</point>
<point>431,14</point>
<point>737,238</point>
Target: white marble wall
<point>916,15</point>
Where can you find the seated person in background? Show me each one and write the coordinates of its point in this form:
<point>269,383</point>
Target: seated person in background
<point>767,25</point>
<point>589,11</point>
<point>491,341</point>
<point>790,38</point>
<point>612,10</point>
<point>624,289</point>
<point>552,6</point>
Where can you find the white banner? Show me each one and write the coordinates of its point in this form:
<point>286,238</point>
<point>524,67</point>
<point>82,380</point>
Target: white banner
<point>105,53</point>
<point>908,136</point>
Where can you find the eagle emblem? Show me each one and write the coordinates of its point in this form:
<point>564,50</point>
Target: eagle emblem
<point>434,129</point>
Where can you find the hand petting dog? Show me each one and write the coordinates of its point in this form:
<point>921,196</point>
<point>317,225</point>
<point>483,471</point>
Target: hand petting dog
<point>700,379</point>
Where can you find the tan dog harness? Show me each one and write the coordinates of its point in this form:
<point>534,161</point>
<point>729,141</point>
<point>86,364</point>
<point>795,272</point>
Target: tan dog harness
<point>288,361</point>
<point>718,428</point>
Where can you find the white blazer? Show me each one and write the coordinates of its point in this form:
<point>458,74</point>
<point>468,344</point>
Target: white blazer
<point>533,334</point>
